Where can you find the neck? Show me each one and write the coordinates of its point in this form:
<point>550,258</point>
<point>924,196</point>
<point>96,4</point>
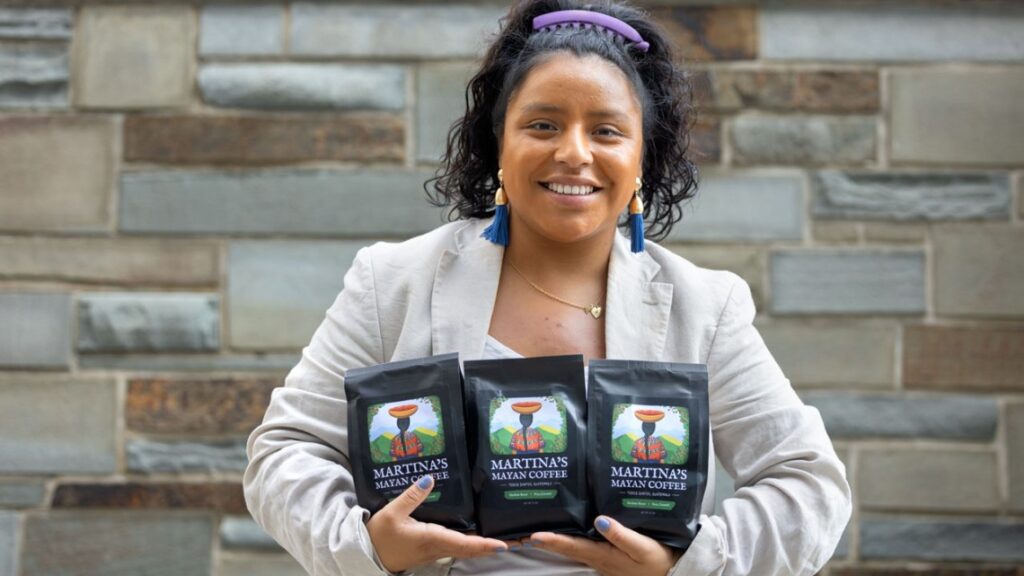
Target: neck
<point>543,259</point>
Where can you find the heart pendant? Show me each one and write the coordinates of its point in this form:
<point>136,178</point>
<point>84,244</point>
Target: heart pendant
<point>595,311</point>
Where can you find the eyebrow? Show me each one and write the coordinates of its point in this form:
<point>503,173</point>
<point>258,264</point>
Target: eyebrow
<point>603,113</point>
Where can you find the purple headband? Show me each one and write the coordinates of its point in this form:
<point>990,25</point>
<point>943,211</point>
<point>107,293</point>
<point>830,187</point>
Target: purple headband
<point>555,20</point>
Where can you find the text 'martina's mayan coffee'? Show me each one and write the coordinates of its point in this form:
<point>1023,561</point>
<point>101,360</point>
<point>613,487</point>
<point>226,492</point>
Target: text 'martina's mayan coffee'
<point>527,428</point>
<point>405,420</point>
<point>648,435</point>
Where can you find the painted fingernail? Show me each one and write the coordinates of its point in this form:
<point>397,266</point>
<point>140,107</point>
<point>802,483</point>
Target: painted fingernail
<point>425,482</point>
<point>499,549</point>
<point>515,548</point>
<point>603,524</point>
<point>528,544</point>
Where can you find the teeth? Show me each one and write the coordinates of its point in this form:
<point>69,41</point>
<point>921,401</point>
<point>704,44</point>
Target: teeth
<point>570,190</point>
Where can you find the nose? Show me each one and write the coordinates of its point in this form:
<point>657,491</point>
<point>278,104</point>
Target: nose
<point>574,148</point>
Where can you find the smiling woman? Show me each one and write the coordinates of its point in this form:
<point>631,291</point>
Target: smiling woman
<point>578,117</point>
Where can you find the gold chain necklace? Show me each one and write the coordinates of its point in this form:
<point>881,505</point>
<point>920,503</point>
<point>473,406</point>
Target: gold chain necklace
<point>594,310</point>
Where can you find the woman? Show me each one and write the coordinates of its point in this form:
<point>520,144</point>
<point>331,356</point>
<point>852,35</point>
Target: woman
<point>575,122</point>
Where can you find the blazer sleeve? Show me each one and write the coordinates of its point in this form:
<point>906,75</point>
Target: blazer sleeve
<point>298,484</point>
<point>792,500</point>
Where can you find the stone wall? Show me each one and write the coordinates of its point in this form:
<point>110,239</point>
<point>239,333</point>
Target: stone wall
<point>182,187</point>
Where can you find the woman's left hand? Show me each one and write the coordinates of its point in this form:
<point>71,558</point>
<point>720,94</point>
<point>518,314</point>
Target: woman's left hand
<point>626,553</point>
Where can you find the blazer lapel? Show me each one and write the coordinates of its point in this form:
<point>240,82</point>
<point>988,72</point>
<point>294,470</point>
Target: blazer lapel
<point>465,287</point>
<point>638,308</point>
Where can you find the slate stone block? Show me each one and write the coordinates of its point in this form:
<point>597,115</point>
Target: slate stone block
<point>339,203</point>
<point>1014,417</point>
<point>242,532</point>
<point>136,262</point>
<point>58,172</point>
<point>21,494</point>
<point>154,456</point>
<point>911,196</point>
<point>262,140</point>
<point>969,540</point>
<point>744,208</point>
<point>134,56</point>
<point>117,543</point>
<point>811,140</point>
<point>934,416</point>
<point>278,292</point>
<point>38,23</point>
<point>730,89</point>
<point>440,101</point>
<point>927,480</point>
<point>847,282</point>
<point>892,33</point>
<point>420,32</point>
<point>704,33</point>
<point>979,271</point>
<point>223,497</point>
<point>977,359</point>
<point>33,75</point>
<point>980,125</point>
<point>135,322</point>
<point>70,429</point>
<point>148,363</point>
<point>242,30</point>
<point>833,355</point>
<point>8,543</point>
<point>303,86</point>
<point>36,331</point>
<point>197,406</point>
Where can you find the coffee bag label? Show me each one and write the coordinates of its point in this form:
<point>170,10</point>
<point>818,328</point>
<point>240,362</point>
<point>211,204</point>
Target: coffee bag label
<point>527,434</point>
<point>407,440</point>
<point>650,446</point>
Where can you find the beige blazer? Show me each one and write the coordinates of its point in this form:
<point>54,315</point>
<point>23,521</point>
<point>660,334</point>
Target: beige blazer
<point>435,294</point>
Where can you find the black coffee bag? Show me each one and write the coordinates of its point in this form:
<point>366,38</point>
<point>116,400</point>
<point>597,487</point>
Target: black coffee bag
<point>405,420</point>
<point>527,427</point>
<point>648,434</point>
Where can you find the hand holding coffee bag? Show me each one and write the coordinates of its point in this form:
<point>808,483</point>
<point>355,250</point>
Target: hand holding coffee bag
<point>648,434</point>
<point>405,420</point>
<point>526,421</point>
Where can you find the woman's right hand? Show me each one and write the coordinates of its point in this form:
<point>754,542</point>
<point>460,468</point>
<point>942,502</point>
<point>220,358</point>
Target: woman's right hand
<point>402,543</point>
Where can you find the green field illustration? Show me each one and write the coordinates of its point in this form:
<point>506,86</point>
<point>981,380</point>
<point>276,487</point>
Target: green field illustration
<point>648,434</point>
<point>527,425</point>
<point>405,430</point>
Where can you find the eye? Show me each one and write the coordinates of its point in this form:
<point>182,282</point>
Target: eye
<point>607,131</point>
<point>541,125</point>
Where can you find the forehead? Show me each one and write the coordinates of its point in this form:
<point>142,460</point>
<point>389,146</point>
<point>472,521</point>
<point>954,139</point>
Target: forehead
<point>569,81</point>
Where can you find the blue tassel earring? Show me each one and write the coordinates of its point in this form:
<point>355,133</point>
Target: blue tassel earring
<point>497,232</point>
<point>636,219</point>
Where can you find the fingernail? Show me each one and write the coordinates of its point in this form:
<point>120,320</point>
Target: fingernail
<point>514,548</point>
<point>499,549</point>
<point>602,524</point>
<point>424,483</point>
<point>528,544</point>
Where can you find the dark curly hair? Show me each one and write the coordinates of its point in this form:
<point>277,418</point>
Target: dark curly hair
<point>467,177</point>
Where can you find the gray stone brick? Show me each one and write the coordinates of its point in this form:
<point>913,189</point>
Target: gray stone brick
<point>36,331</point>
<point>833,355</point>
<point>847,282</point>
<point>814,140</point>
<point>70,428</point>
<point>894,233</point>
<point>117,543</point>
<point>980,125</point>
<point>133,56</point>
<point>747,261</point>
<point>744,208</point>
<point>835,232</point>
<point>58,173</point>
<point>233,564</point>
<point>8,544</point>
<point>21,494</point>
<point>135,322</point>
<point>33,75</point>
<point>981,540</point>
<point>979,271</point>
<point>941,417</point>
<point>152,456</point>
<point>892,33</point>
<point>440,100</point>
<point>243,30</point>
<point>909,196</point>
<point>190,362</point>
<point>42,23</point>
<point>134,261</point>
<point>243,532</point>
<point>421,32</point>
<point>278,292</point>
<point>925,480</point>
<point>1014,416</point>
<point>303,86</point>
<point>345,203</point>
